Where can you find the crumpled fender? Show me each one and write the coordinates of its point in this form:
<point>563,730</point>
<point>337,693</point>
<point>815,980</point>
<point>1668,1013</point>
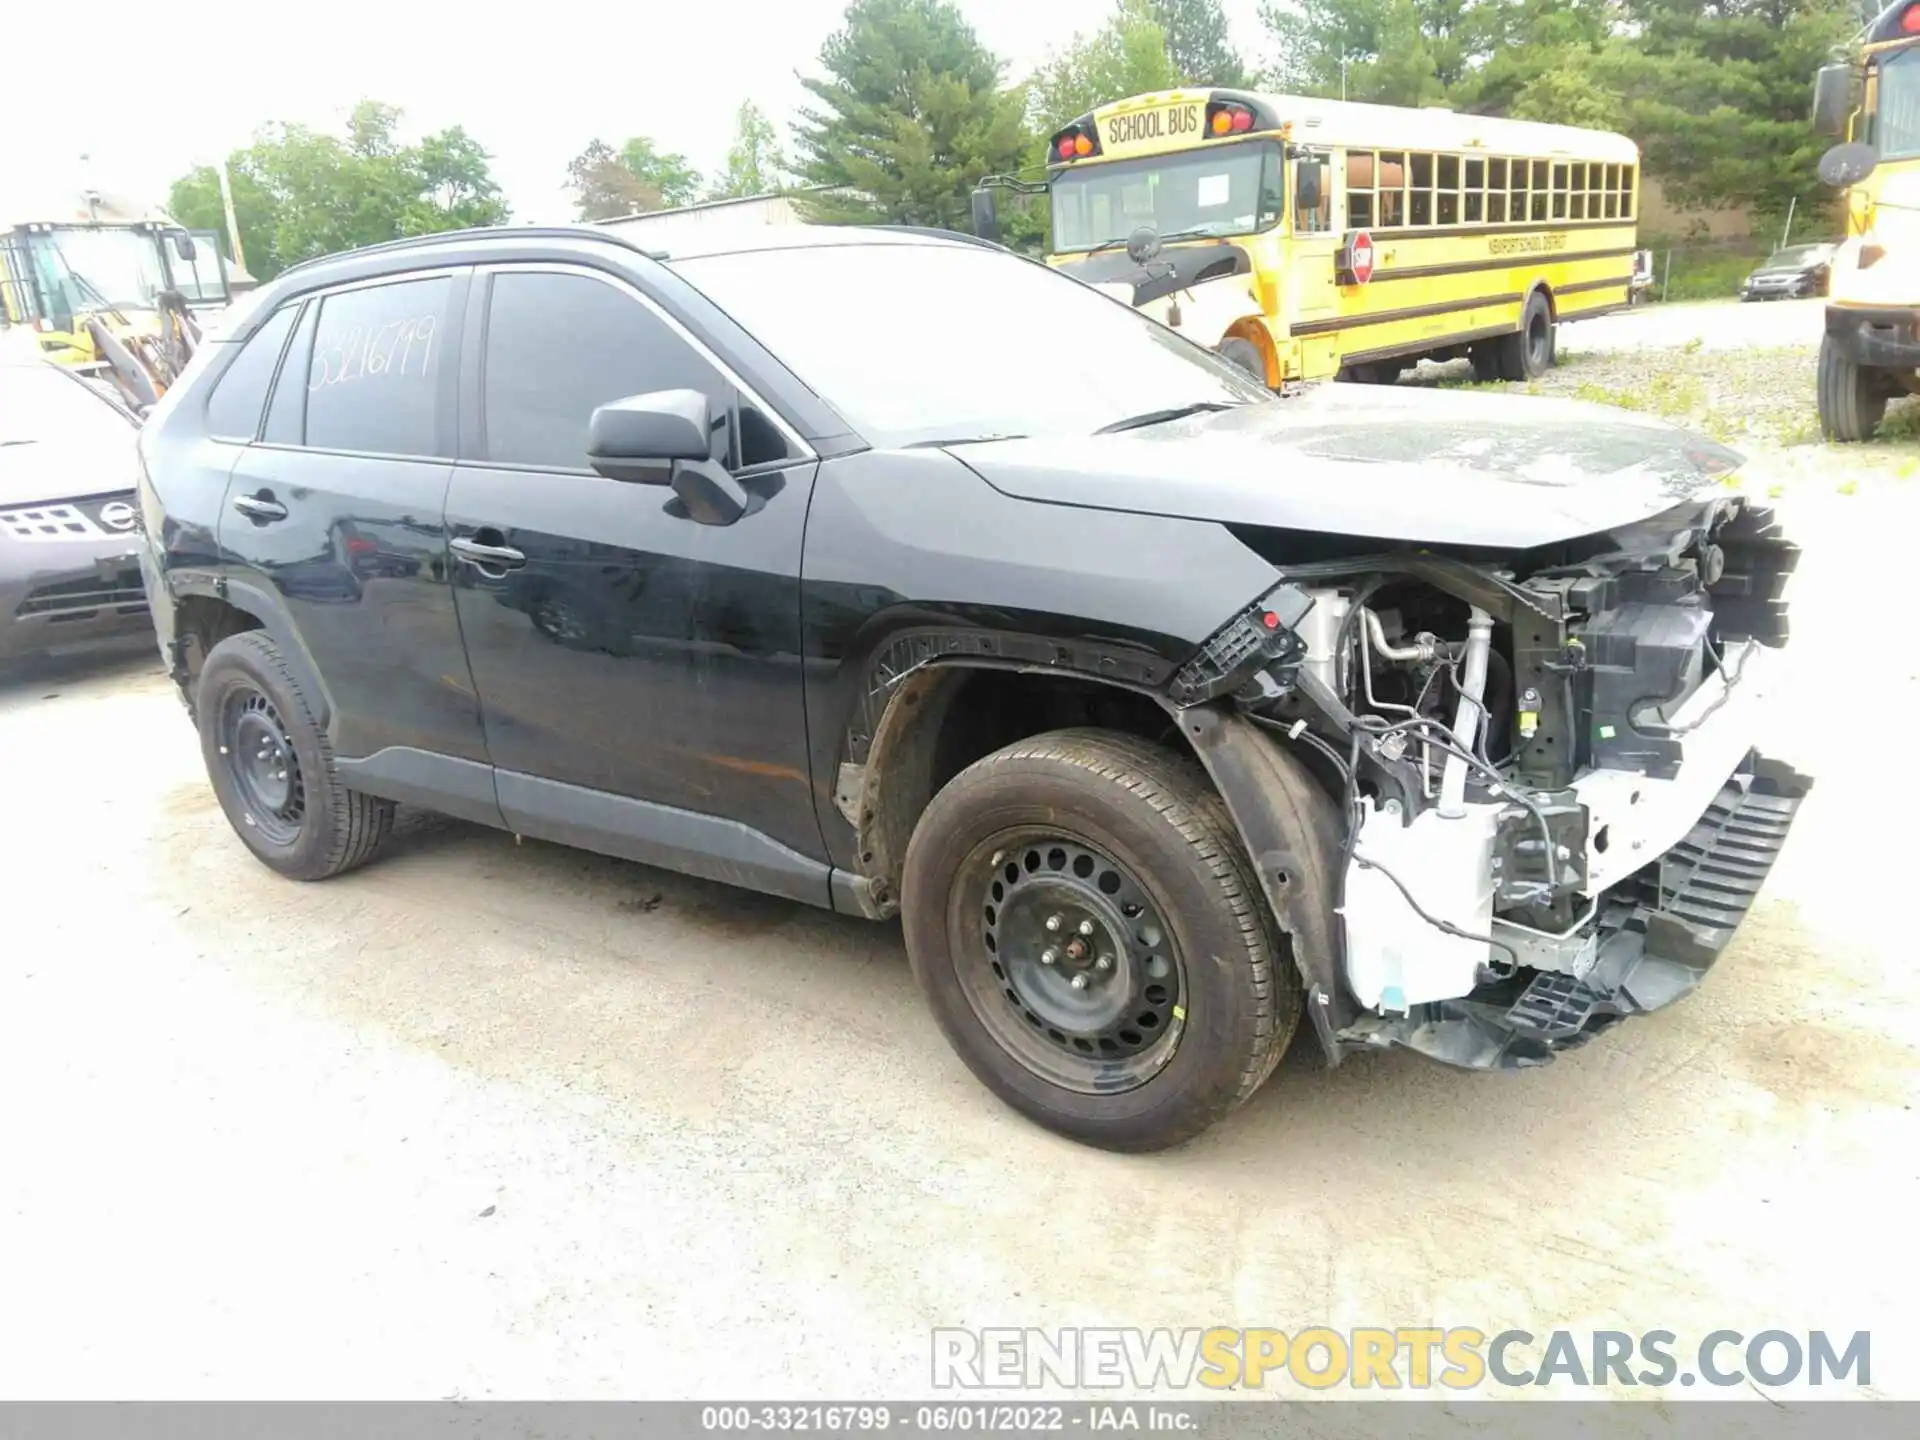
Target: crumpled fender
<point>1292,830</point>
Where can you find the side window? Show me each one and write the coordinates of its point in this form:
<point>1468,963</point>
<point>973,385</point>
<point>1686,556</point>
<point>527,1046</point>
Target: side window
<point>233,409</point>
<point>1313,174</point>
<point>287,411</point>
<point>560,346</point>
<point>373,381</point>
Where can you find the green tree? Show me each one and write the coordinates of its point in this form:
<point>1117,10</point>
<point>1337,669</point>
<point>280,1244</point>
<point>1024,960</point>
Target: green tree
<point>299,192</point>
<point>1198,43</point>
<point>195,202</point>
<point>604,188</point>
<point>1127,56</point>
<point>911,114</point>
<point>676,180</point>
<point>1395,52</point>
<point>754,163</point>
<point>637,177</point>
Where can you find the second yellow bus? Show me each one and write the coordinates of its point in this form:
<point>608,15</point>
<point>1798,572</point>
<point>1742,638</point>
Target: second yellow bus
<point>1309,238</point>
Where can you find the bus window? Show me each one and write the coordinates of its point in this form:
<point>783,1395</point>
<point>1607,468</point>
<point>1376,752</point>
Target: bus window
<point>1626,192</point>
<point>1577,193</point>
<point>1318,218</point>
<point>1359,189</point>
<point>1895,114</point>
<point>1475,197</point>
<point>1390,199</point>
<point>1447,191</point>
<point>1420,197</point>
<point>1537,190</point>
<point>1497,190</point>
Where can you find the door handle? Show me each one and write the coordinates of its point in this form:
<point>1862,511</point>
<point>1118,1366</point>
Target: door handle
<point>259,507</point>
<point>487,557</point>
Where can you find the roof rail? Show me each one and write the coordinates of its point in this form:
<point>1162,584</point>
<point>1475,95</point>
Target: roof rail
<point>938,233</point>
<point>439,237</point>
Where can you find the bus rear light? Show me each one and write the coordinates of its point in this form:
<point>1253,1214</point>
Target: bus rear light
<point>1065,148</point>
<point>1082,145</point>
<point>1910,20</point>
<point>1222,122</point>
<point>1073,143</point>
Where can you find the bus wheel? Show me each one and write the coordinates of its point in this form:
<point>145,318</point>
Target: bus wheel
<point>1246,355</point>
<point>1527,354</point>
<point>1851,401</point>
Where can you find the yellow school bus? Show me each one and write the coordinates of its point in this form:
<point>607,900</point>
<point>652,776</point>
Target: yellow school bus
<point>1871,101</point>
<point>1310,238</point>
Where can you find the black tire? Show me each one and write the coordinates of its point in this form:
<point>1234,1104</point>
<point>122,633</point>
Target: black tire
<point>1246,355</point>
<point>1152,826</point>
<point>297,818</point>
<point>1528,352</point>
<point>1485,358</point>
<point>1850,399</point>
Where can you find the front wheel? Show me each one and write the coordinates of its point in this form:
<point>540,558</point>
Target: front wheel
<point>1246,355</point>
<point>1850,399</point>
<point>1085,926</point>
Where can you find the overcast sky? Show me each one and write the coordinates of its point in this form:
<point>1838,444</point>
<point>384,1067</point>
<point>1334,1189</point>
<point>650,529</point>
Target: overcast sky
<point>533,81</point>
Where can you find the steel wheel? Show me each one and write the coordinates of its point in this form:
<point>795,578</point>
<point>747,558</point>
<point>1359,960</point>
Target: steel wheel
<point>260,760</point>
<point>1075,973</point>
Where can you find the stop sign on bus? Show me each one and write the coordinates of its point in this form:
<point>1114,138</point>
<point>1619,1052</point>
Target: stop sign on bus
<point>1360,257</point>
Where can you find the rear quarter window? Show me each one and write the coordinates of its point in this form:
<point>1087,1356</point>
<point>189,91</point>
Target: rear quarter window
<point>233,409</point>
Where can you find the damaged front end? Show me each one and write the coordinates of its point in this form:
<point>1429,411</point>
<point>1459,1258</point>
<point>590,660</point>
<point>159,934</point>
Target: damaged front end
<point>1548,812</point>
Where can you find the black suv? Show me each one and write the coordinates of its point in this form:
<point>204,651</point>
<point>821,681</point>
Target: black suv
<point>891,572</point>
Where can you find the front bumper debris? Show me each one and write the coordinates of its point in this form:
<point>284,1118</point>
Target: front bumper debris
<point>1655,937</point>
<point>1878,339</point>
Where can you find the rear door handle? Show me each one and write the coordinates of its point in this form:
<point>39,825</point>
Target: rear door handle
<point>487,557</point>
<point>259,507</point>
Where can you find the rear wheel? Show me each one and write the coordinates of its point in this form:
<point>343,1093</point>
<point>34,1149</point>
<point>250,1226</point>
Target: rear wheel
<point>1851,399</point>
<point>272,768</point>
<point>1085,927</point>
<point>1527,354</point>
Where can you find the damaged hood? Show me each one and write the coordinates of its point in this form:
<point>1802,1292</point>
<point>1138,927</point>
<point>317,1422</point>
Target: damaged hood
<point>1391,463</point>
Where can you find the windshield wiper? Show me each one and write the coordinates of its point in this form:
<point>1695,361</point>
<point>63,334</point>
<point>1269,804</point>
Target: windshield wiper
<point>1156,417</point>
<point>1198,233</point>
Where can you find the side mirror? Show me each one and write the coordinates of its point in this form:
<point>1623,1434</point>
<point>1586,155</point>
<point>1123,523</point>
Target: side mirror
<point>986,216</point>
<point>1143,244</point>
<point>1832,100</point>
<point>1848,164</point>
<point>665,437</point>
<point>184,247</point>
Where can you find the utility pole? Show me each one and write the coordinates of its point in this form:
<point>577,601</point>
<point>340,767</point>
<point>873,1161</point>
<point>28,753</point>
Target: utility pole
<point>1787,233</point>
<point>233,225</point>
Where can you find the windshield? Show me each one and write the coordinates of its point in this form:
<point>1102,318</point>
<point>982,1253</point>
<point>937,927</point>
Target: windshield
<point>86,269</point>
<point>1895,127</point>
<point>1233,190</point>
<point>1798,255</point>
<point>916,343</point>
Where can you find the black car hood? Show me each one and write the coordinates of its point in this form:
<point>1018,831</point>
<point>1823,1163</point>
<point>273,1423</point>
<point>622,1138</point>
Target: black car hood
<point>1389,463</point>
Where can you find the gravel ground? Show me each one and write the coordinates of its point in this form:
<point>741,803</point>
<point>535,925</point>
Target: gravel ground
<point>499,1120</point>
<point>1681,362</point>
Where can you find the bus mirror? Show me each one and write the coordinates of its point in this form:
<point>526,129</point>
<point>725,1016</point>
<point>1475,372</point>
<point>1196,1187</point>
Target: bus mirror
<point>183,246</point>
<point>986,219</point>
<point>1832,99</point>
<point>1848,164</point>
